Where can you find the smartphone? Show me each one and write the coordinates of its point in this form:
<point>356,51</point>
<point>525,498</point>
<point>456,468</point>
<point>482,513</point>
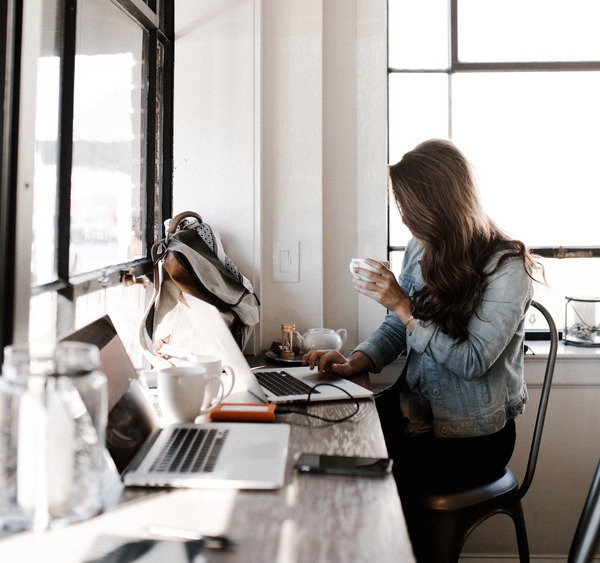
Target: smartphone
<point>343,465</point>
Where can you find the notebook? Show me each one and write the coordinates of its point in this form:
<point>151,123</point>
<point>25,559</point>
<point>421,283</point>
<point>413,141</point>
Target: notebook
<point>212,455</point>
<point>212,336</point>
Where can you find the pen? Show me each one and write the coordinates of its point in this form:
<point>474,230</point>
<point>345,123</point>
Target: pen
<point>210,542</point>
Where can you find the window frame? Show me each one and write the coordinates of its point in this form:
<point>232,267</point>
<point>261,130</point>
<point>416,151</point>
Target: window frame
<point>11,21</point>
<point>454,67</point>
<point>156,18</point>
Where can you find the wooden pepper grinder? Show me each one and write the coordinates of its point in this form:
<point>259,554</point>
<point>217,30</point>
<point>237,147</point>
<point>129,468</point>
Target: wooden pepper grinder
<point>287,341</point>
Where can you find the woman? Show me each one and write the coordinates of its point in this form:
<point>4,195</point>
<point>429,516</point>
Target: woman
<point>458,310</point>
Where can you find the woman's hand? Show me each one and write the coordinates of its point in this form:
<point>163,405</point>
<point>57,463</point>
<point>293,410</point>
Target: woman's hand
<point>327,360</point>
<point>334,361</point>
<point>383,288</point>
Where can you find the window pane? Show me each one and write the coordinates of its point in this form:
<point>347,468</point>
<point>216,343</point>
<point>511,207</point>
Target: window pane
<point>396,258</point>
<point>533,138</point>
<point>418,34</point>
<point>537,30</point>
<point>418,110</point>
<point>43,250</point>
<point>566,278</point>
<point>106,197</point>
<point>570,277</point>
<point>398,233</point>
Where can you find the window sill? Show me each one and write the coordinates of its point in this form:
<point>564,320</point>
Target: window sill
<point>576,367</point>
<point>565,351</point>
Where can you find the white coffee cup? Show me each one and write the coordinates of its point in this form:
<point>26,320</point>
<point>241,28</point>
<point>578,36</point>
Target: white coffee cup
<point>214,367</point>
<point>360,263</point>
<point>182,390</point>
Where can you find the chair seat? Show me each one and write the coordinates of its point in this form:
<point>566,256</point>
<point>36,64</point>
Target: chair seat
<point>457,500</point>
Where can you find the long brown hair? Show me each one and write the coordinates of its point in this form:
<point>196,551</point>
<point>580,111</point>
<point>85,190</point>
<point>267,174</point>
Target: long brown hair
<point>437,196</point>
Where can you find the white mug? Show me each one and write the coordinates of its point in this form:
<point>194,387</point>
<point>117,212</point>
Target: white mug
<point>182,390</point>
<point>360,263</point>
<point>214,367</point>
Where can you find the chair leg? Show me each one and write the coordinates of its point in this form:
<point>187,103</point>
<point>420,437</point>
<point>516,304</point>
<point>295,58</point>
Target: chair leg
<point>438,539</point>
<point>519,520</point>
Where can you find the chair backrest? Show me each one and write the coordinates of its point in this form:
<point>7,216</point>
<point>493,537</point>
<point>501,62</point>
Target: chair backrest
<point>543,406</point>
<point>586,538</point>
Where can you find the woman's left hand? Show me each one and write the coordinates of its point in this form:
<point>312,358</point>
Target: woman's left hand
<point>383,288</point>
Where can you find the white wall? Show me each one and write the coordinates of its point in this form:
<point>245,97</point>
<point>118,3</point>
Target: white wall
<point>280,135</point>
<point>215,123</point>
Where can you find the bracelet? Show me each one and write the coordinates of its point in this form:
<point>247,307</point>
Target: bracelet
<point>408,320</point>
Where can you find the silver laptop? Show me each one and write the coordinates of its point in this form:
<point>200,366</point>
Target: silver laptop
<point>212,336</point>
<point>212,455</point>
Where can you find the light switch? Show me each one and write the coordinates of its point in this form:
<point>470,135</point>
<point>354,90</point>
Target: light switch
<point>286,261</point>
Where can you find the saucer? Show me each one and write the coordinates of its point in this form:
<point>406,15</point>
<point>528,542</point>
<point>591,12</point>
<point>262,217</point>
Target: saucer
<point>296,360</point>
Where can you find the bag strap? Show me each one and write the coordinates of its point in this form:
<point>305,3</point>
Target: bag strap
<point>180,217</point>
<point>144,338</point>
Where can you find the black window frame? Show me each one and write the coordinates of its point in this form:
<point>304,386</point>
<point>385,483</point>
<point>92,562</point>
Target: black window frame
<point>156,18</point>
<point>11,22</point>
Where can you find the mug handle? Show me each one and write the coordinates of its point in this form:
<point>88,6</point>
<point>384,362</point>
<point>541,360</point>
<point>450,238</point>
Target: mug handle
<point>217,400</point>
<point>229,371</point>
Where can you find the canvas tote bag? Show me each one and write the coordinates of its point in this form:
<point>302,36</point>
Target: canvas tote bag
<point>191,260</point>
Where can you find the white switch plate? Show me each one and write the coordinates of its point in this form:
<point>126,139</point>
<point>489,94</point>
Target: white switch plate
<point>286,261</point>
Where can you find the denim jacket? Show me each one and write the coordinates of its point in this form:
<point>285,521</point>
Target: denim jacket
<point>466,389</point>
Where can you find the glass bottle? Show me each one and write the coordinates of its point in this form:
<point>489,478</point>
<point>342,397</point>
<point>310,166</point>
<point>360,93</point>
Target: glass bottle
<point>61,426</point>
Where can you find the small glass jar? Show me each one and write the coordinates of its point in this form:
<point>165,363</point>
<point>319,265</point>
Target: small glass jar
<point>582,321</point>
<point>287,341</point>
<point>61,424</point>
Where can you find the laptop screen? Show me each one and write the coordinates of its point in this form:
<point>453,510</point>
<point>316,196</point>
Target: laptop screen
<point>131,415</point>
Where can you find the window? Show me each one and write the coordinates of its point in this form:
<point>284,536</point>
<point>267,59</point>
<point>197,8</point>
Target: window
<point>100,157</point>
<point>515,84</point>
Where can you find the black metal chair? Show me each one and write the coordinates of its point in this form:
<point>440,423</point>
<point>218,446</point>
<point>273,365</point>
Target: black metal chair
<point>450,517</point>
<point>587,536</point>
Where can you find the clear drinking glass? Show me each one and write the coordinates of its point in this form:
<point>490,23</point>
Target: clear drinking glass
<point>58,410</point>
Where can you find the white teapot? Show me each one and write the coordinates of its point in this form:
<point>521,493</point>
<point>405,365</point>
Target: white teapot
<point>321,339</point>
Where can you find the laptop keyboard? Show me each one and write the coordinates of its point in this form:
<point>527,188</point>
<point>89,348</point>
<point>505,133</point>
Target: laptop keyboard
<point>190,450</point>
<point>281,383</point>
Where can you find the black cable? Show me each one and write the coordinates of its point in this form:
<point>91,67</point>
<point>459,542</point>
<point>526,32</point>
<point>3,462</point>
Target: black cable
<point>280,410</point>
